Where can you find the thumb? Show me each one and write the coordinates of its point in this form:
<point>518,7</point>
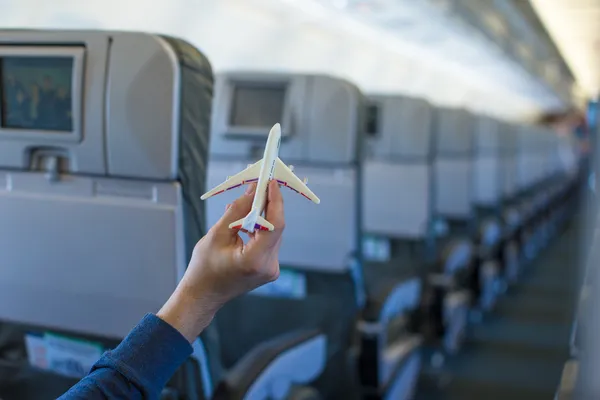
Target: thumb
<point>237,210</point>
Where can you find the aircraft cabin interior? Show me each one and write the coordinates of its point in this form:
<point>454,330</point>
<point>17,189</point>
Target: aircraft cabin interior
<point>437,162</point>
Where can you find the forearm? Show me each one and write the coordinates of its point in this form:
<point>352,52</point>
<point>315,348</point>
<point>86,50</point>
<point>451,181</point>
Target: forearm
<point>139,367</point>
<point>104,384</point>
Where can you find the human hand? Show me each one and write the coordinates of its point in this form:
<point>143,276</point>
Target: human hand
<point>222,267</point>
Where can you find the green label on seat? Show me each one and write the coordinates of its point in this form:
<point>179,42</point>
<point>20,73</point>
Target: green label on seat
<point>290,284</point>
<point>62,355</point>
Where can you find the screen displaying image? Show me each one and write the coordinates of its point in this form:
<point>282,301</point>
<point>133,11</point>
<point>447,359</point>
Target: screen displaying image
<point>257,107</point>
<point>36,93</point>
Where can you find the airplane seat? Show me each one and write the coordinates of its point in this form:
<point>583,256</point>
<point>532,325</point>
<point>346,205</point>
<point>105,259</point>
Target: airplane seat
<point>93,190</point>
<point>454,215</point>
<point>526,184</point>
<point>491,276</point>
<point>510,215</point>
<point>398,156</point>
<point>549,179</point>
<point>537,141</point>
<point>320,285</point>
<point>556,179</point>
<point>398,232</point>
<point>487,200</point>
<point>570,165</point>
<point>542,139</point>
<point>92,184</point>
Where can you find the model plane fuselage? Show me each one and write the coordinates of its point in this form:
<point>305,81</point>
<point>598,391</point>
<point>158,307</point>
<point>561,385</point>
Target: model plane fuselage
<point>262,172</point>
<point>267,168</point>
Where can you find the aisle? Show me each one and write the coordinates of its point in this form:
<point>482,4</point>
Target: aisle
<point>519,351</point>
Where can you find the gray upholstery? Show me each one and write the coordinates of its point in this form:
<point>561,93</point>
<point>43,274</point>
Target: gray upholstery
<point>113,233</point>
<point>299,365</point>
<point>314,105</point>
<point>532,156</point>
<point>329,305</point>
<point>508,145</point>
<point>487,164</point>
<point>488,196</point>
<point>321,143</point>
<point>404,129</point>
<point>397,188</point>
<point>335,217</point>
<point>271,369</point>
<point>390,357</point>
<point>404,388</point>
<point>321,122</point>
<point>404,211</point>
<point>397,206</point>
<point>454,192</point>
<point>393,288</point>
<point>454,163</point>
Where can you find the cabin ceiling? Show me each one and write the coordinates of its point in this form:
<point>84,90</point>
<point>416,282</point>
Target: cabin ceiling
<point>461,53</point>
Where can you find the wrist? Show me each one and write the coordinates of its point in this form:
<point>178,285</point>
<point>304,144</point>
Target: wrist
<point>190,315</point>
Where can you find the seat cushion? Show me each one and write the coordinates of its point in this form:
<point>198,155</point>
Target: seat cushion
<point>383,279</point>
<point>329,305</point>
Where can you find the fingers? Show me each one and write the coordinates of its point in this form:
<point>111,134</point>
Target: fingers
<point>274,209</point>
<point>236,211</point>
<point>264,240</point>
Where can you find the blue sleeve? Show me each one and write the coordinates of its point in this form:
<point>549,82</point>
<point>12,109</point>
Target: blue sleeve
<point>139,367</point>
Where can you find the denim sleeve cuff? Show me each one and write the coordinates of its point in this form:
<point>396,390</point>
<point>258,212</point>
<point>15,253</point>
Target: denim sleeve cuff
<point>149,355</point>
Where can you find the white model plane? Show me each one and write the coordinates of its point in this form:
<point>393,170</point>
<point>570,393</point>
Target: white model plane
<point>262,172</point>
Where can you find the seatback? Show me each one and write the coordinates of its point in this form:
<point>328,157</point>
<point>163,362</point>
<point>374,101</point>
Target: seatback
<point>530,156</point>
<point>99,176</point>
<point>454,166</point>
<point>320,256</point>
<point>319,123</point>
<point>397,195</point>
<point>509,167</point>
<point>543,138</point>
<point>487,164</point>
<point>553,156</point>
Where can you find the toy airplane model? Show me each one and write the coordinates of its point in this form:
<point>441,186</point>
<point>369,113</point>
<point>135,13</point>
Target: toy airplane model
<point>262,172</point>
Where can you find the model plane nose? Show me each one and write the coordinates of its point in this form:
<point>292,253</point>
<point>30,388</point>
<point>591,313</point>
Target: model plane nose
<point>276,129</point>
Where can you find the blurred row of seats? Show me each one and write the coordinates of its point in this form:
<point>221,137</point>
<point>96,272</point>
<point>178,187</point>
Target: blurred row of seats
<point>428,214</point>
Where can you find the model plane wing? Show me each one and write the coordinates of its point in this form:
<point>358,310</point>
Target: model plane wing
<point>287,178</point>
<point>248,175</point>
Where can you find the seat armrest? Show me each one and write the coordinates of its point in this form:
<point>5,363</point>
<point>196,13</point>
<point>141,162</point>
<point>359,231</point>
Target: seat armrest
<point>389,295</point>
<point>271,368</point>
<point>456,256</point>
<point>568,381</point>
<point>395,359</point>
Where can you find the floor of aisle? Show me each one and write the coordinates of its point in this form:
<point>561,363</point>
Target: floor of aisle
<point>517,352</point>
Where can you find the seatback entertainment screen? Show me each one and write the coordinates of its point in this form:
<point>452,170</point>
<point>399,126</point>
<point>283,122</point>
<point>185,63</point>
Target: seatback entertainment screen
<point>36,93</point>
<point>257,107</point>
